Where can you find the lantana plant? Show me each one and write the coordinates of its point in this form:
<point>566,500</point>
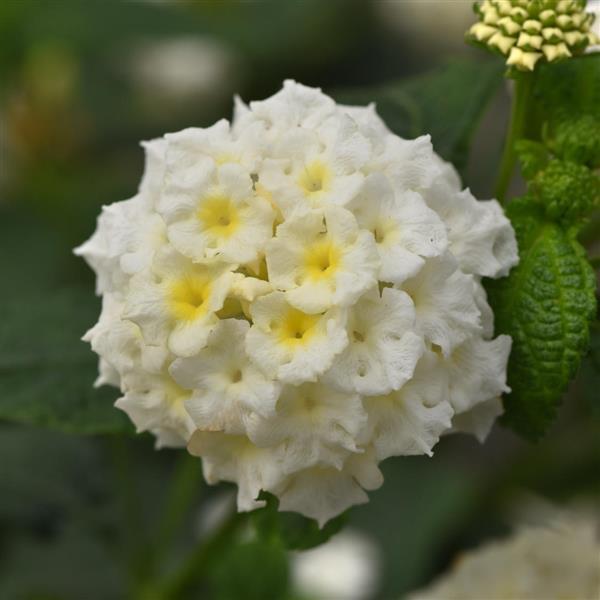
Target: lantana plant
<point>300,293</point>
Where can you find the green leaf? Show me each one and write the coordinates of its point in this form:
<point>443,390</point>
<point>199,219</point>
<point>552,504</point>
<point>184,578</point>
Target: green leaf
<point>447,103</point>
<point>46,372</point>
<point>575,138</point>
<point>533,157</point>
<point>295,531</point>
<point>569,88</point>
<point>567,190</point>
<point>546,305</point>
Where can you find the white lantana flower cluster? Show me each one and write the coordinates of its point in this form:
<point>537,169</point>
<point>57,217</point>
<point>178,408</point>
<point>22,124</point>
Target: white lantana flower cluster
<point>553,561</point>
<point>296,297</point>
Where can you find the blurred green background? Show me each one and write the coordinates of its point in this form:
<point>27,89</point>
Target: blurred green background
<point>81,83</point>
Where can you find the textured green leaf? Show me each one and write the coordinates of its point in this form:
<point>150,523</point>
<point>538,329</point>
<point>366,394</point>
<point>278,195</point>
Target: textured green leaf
<point>533,157</point>
<point>568,191</point>
<point>446,103</point>
<point>568,88</point>
<point>546,305</point>
<point>576,138</point>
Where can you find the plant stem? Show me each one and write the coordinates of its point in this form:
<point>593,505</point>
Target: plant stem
<point>518,120</point>
<point>185,483</point>
<point>194,568</point>
<point>136,548</point>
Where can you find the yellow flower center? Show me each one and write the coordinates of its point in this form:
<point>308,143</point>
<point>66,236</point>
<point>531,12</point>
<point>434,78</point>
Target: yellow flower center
<point>315,178</point>
<point>322,259</point>
<point>219,215</point>
<point>296,327</point>
<point>385,232</point>
<point>174,394</point>
<point>188,297</point>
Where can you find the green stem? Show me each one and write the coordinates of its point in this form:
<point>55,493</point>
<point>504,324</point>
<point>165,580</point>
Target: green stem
<point>182,582</point>
<point>518,121</point>
<point>183,490</point>
<point>136,548</point>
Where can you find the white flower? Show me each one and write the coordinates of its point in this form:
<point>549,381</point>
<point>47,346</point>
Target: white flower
<point>212,211</point>
<point>346,567</point>
<point>405,229</point>
<point>235,458</point>
<point>410,164</point>
<point>176,301</point>
<point>292,345</point>
<point>156,403</point>
<point>445,306</point>
<point>481,237</point>
<point>314,168</point>
<point>297,297</point>
<point>226,384</point>
<point>154,170</point>
<point>313,425</point>
<point>125,240</point>
<point>477,371</point>
<point>120,345</point>
<point>321,493</point>
<point>478,420</point>
<point>412,419</point>
<point>295,105</point>
<point>383,347</point>
<point>322,259</point>
<point>552,561</point>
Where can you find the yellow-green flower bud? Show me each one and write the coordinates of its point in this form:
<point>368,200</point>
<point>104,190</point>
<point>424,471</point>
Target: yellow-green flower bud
<point>527,32</point>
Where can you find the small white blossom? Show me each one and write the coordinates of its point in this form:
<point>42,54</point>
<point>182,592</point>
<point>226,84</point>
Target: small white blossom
<point>446,311</point>
<point>411,420</point>
<point>297,296</point>
<point>176,301</point>
<point>226,384</point>
<point>215,213</point>
<point>293,345</point>
<point>313,425</point>
<point>405,230</point>
<point>322,259</point>
<point>383,347</point>
<point>156,403</point>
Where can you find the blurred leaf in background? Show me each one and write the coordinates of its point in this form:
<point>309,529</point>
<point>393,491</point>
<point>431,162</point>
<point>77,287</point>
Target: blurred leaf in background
<point>446,103</point>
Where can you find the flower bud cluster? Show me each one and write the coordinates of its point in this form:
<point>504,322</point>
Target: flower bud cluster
<point>530,31</point>
<point>297,296</point>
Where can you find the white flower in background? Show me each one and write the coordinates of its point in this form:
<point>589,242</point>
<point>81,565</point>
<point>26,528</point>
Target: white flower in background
<point>347,567</point>
<point>297,297</point>
<point>556,561</point>
<point>182,71</point>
